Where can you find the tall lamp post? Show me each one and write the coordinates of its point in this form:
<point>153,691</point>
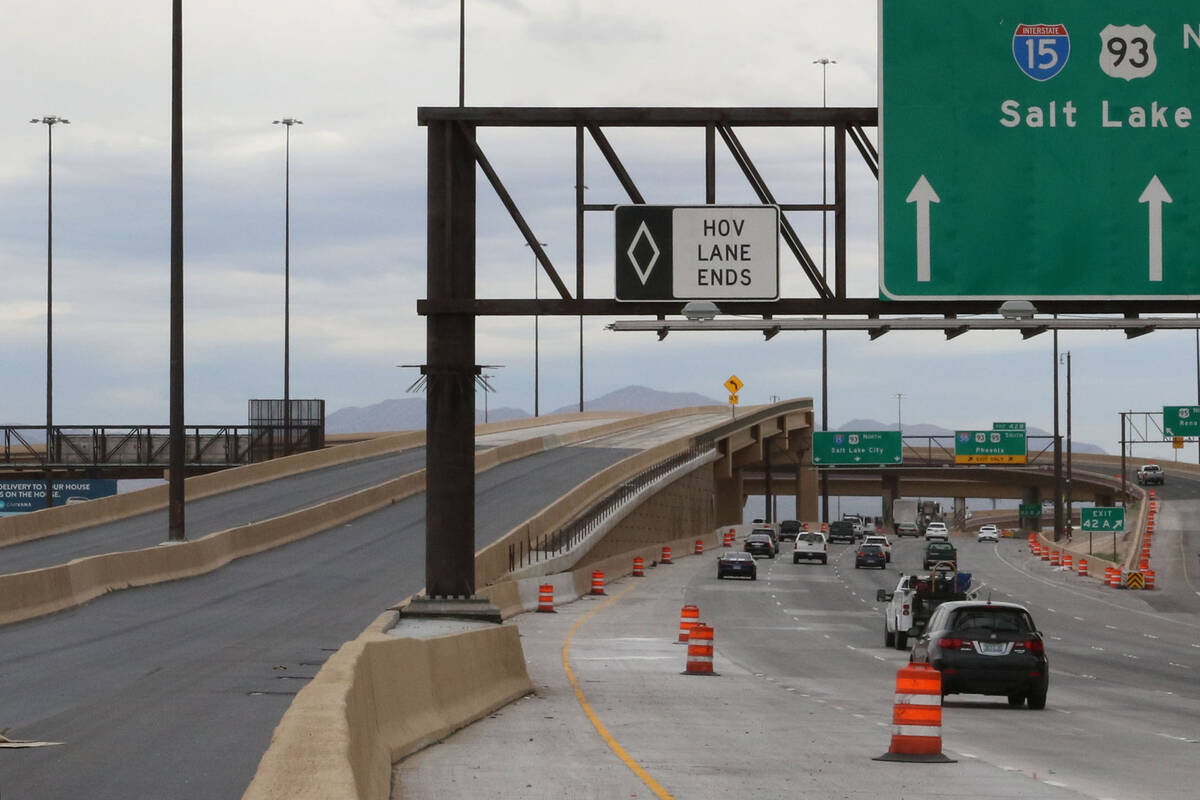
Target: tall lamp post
<point>536,320</point>
<point>1070,510</point>
<point>49,121</point>
<point>824,62</point>
<point>287,123</point>
<point>899,410</point>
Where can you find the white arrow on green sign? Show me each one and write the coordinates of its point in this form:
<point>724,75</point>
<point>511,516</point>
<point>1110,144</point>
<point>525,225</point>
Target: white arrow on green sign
<point>857,447</point>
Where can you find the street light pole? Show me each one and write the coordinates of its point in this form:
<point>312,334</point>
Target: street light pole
<point>287,123</point>
<point>1058,487</point>
<point>824,62</point>
<point>536,319</point>
<point>1070,472</point>
<point>899,409</point>
<point>49,121</point>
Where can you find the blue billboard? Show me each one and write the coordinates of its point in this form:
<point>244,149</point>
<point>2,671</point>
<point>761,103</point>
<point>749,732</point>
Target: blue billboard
<point>30,495</point>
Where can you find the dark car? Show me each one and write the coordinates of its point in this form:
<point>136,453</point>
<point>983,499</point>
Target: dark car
<point>767,530</point>
<point>841,531</point>
<point>788,530</point>
<point>870,555</point>
<point>939,551</point>
<point>737,565</point>
<point>986,648</point>
<point>760,544</point>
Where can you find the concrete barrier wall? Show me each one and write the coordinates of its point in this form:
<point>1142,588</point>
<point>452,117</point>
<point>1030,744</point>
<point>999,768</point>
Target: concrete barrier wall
<point>380,698</point>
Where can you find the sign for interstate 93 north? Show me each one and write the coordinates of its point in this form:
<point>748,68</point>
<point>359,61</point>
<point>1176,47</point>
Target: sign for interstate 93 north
<point>1039,149</point>
<point>697,253</point>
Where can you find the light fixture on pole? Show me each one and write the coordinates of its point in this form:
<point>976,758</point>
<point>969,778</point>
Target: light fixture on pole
<point>824,62</point>
<point>287,123</point>
<point>1058,482</point>
<point>536,319</point>
<point>49,121</point>
<point>483,381</point>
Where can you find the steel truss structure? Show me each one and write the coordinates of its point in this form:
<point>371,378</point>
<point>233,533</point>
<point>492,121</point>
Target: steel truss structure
<point>456,157</point>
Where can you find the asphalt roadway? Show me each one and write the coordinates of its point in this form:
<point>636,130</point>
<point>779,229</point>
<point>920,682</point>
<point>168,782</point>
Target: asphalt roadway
<point>803,702</point>
<point>172,691</point>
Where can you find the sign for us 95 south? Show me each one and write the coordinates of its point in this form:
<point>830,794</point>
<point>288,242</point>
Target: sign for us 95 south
<point>666,253</point>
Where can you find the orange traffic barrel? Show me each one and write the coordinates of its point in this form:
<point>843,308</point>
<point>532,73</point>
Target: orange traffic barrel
<point>1143,563</point>
<point>1149,576</point>
<point>666,556</point>
<point>546,598</point>
<point>1114,579</point>
<point>638,568</point>
<point>699,550</point>
<point>727,539</point>
<point>1055,557</point>
<point>598,583</point>
<point>1082,568</point>
<point>804,525</point>
<point>917,716</point>
<point>1066,561</point>
<point>1035,548</point>
<point>1045,553</point>
<point>688,617</point>
<point>824,527</point>
<point>700,651</point>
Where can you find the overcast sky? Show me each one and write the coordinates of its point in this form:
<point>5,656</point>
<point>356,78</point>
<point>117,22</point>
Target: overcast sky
<point>355,73</point>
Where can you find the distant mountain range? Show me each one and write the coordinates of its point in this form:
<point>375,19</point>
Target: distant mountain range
<point>409,413</point>
<point>922,429</point>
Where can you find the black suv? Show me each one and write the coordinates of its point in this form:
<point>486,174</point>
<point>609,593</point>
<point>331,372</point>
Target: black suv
<point>788,530</point>
<point>986,648</point>
<point>841,531</point>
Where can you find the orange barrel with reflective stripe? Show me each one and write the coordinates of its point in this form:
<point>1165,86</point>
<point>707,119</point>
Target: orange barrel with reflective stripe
<point>598,583</point>
<point>1083,566</point>
<point>699,550</point>
<point>688,618</point>
<point>639,568</point>
<point>917,716</point>
<point>700,650</point>
<point>1114,579</point>
<point>546,598</point>
<point>666,556</point>
<point>727,539</point>
<point>1055,558</point>
<point>1149,576</point>
<point>1045,553</point>
<point>1066,561</point>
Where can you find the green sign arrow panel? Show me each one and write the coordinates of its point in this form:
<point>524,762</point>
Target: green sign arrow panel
<point>1181,420</point>
<point>989,447</point>
<point>1038,148</point>
<point>856,447</point>
<point>1108,519</point>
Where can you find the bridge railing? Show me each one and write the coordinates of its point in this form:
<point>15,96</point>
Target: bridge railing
<point>117,446</point>
<point>533,550</point>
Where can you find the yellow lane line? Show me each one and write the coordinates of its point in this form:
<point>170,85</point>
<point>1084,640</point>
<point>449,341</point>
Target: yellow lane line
<point>658,790</point>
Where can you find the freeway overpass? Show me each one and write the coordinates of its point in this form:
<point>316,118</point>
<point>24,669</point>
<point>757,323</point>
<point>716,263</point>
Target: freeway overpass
<point>163,670</point>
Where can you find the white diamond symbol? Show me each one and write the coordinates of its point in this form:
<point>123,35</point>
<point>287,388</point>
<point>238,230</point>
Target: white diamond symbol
<point>644,274</point>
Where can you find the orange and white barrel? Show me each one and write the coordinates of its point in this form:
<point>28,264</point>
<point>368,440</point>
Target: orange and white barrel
<point>1067,561</point>
<point>917,716</point>
<point>598,583</point>
<point>688,617</point>
<point>1055,558</point>
<point>1114,579</point>
<point>546,598</point>
<point>727,539</point>
<point>700,650</point>
<point>699,549</point>
<point>666,556</point>
<point>639,570</point>
<point>1149,576</point>
<point>1082,567</point>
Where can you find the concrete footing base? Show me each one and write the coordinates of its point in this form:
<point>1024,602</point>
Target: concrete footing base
<point>478,608</point>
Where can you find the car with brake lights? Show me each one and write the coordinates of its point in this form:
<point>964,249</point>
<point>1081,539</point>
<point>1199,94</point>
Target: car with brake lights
<point>759,544</point>
<point>767,530</point>
<point>736,564</point>
<point>939,552</point>
<point>988,533</point>
<point>907,529</point>
<point>981,647</point>
<point>810,546</point>
<point>882,541</point>
<point>870,555</point>
<point>937,530</point>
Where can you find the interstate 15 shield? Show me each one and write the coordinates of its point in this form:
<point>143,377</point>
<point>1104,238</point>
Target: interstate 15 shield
<point>1041,50</point>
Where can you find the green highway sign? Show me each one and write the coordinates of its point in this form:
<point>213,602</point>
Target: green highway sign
<point>1008,426</point>
<point>1039,149</point>
<point>1106,519</point>
<point>856,447</point>
<point>1031,510</point>
<point>989,447</point>
<point>1181,420</point>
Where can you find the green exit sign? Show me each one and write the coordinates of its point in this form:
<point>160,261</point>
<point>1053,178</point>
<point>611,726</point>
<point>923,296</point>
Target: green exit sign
<point>1039,149</point>
<point>1033,510</point>
<point>1008,426</point>
<point>856,447</point>
<point>1107,519</point>
<point>1181,420</point>
<point>989,447</point>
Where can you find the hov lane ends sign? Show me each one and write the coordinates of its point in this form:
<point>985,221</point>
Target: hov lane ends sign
<point>697,253</point>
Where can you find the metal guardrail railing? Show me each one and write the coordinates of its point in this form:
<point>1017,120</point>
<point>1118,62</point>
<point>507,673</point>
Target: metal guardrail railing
<point>140,446</point>
<point>549,545</point>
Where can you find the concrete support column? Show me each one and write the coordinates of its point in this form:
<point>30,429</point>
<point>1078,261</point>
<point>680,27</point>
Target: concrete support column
<point>960,513</point>
<point>808,489</point>
<point>730,499</point>
<point>891,491</point>
<point>1031,495</point>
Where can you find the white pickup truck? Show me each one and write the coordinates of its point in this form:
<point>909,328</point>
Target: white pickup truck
<point>915,597</point>
<point>810,545</point>
<point>1150,473</point>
